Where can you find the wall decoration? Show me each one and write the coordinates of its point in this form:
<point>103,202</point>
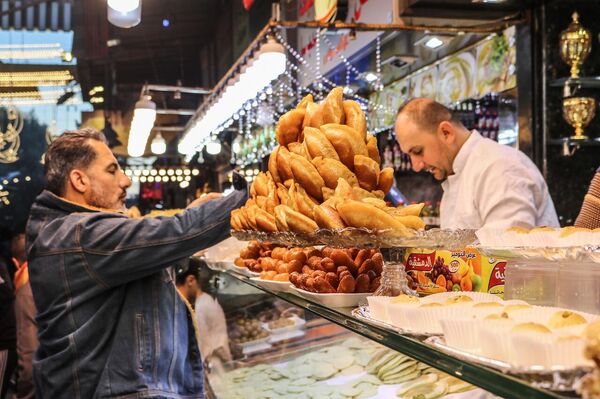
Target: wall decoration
<point>456,78</point>
<point>11,125</point>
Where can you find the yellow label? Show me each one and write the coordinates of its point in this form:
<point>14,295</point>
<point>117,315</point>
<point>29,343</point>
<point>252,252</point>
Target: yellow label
<point>461,270</point>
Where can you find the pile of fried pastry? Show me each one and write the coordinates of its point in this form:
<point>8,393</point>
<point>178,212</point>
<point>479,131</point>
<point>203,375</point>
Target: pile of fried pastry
<point>326,174</point>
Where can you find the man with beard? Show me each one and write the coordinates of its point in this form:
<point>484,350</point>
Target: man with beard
<point>485,183</point>
<point>111,322</point>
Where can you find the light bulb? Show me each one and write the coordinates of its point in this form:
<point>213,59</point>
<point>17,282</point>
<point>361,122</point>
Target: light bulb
<point>159,145</point>
<point>213,148</point>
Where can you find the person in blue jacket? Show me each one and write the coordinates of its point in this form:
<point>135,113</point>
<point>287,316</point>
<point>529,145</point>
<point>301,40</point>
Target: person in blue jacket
<point>111,322</point>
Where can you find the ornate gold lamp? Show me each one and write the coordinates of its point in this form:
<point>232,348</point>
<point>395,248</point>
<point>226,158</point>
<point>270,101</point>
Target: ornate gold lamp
<point>579,112</point>
<point>575,45</point>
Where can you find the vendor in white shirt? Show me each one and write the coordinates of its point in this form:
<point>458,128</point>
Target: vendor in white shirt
<point>485,183</point>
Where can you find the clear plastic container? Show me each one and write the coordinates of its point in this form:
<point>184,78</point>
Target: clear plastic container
<point>533,282</point>
<point>579,286</point>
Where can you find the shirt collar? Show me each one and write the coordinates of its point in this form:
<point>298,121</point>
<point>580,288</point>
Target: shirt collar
<point>465,151</point>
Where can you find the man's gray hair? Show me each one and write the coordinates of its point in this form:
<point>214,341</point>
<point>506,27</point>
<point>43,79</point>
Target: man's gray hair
<point>67,152</point>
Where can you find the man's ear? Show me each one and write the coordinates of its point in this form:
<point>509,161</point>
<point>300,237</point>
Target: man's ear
<point>447,132</point>
<point>79,180</point>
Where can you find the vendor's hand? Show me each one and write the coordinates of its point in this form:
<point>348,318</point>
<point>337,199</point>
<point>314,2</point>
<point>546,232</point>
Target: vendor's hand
<point>205,198</point>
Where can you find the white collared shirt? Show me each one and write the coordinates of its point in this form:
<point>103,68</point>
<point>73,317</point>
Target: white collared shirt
<point>496,186</point>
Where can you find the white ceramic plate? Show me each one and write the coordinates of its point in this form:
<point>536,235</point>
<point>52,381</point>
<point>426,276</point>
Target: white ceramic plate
<point>276,286</point>
<point>298,323</point>
<point>334,300</point>
<point>244,271</point>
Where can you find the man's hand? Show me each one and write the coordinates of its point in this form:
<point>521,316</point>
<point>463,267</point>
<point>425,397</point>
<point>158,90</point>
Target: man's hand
<point>205,198</point>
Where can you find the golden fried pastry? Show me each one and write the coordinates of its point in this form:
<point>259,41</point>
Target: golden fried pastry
<point>367,172</point>
<point>308,99</point>
<point>355,117</point>
<point>346,141</point>
<point>307,175</point>
<point>283,164</point>
<point>280,219</point>
<point>412,222</point>
<point>327,217</point>
<point>273,165</point>
<point>234,220</point>
<point>282,194</point>
<point>243,219</point>
<point>331,170</point>
<point>260,185</point>
<point>386,179</point>
<point>359,194</point>
<point>409,210</point>
<point>313,116</point>
<point>372,149</point>
<point>317,144</point>
<point>251,216</point>
<point>296,221</point>
<point>304,203</point>
<point>343,189</point>
<point>297,148</point>
<point>289,126</point>
<point>360,214</point>
<point>272,189</point>
<point>332,107</point>
<point>327,193</point>
<point>266,203</point>
<point>379,203</point>
<point>265,221</point>
<point>378,194</point>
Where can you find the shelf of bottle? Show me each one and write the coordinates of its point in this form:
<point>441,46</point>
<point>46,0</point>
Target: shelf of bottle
<point>590,82</point>
<point>592,141</point>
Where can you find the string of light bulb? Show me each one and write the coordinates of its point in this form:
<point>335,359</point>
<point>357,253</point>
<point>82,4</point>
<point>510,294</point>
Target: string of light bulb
<point>216,113</point>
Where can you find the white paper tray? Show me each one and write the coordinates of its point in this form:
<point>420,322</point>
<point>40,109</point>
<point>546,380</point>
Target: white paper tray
<point>557,379</point>
<point>363,313</point>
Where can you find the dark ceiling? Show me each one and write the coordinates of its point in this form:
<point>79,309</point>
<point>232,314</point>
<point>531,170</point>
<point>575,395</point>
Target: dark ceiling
<point>148,53</point>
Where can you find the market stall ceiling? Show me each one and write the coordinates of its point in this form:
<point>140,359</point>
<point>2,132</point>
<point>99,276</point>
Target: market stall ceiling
<point>162,49</point>
<point>42,15</point>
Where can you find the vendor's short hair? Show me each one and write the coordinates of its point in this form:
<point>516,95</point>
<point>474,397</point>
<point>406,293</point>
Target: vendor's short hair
<point>184,269</point>
<point>67,152</point>
<point>427,113</point>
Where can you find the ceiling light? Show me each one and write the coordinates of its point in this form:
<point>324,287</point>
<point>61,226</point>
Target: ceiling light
<point>255,75</point>
<point>184,184</point>
<point>166,23</point>
<point>113,42</point>
<point>144,116</point>
<point>214,147</point>
<point>159,145</point>
<point>433,42</point>
<point>124,13</point>
<point>195,172</point>
<point>162,172</point>
<point>170,172</point>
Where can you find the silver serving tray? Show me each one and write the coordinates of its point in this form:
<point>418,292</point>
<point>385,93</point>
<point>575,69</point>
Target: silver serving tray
<point>586,253</point>
<point>557,379</point>
<point>364,238</point>
<point>363,313</point>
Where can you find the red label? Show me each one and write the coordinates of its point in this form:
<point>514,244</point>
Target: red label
<point>421,262</point>
<point>497,276</point>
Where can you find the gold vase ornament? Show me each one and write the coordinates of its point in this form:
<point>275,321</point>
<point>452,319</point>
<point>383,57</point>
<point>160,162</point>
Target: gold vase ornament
<point>579,112</point>
<point>575,45</point>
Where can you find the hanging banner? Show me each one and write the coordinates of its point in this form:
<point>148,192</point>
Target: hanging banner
<point>334,45</point>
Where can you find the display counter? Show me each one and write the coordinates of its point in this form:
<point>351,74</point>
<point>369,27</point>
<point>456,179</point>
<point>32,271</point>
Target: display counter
<point>323,335</point>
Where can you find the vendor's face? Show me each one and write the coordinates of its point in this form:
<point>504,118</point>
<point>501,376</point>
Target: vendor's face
<point>427,150</point>
<point>107,184</point>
